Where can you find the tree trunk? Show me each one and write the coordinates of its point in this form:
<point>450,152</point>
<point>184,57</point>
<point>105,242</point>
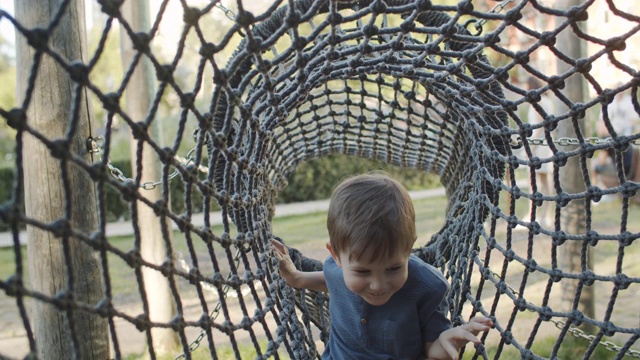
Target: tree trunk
<point>59,264</point>
<point>139,95</point>
<point>573,219</point>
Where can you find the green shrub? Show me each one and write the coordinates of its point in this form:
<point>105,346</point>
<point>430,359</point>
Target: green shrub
<point>312,180</point>
<point>571,348</point>
<point>7,175</point>
<point>117,208</point>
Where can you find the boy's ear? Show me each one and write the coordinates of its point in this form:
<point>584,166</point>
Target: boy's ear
<point>335,256</point>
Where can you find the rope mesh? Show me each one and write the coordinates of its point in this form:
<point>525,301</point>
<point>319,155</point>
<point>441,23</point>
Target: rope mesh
<point>431,86</point>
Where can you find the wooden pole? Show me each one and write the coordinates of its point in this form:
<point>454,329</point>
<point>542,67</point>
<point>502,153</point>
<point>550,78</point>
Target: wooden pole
<point>139,95</point>
<point>59,264</point>
<point>573,218</point>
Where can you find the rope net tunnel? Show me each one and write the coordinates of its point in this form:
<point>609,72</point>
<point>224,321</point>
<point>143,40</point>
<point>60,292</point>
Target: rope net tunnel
<point>434,86</point>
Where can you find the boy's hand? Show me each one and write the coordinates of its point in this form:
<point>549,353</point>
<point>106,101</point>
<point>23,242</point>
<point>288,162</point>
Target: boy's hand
<point>312,280</point>
<point>288,270</point>
<point>451,341</point>
<point>478,324</point>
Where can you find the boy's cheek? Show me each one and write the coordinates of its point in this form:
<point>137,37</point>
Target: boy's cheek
<point>352,283</point>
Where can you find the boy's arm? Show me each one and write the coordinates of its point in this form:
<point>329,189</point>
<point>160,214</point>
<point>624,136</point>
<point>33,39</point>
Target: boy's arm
<point>449,343</point>
<point>312,280</point>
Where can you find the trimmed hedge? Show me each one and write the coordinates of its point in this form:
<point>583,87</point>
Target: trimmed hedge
<point>6,191</point>
<point>119,209</point>
<point>316,178</point>
<point>7,175</point>
<point>312,180</point>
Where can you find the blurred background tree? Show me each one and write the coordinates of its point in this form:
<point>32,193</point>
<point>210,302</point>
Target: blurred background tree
<point>7,98</point>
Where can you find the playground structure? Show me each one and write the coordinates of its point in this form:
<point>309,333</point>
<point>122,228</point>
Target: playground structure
<point>419,84</point>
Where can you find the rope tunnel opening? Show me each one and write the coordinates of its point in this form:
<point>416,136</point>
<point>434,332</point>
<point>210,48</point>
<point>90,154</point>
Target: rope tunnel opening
<point>407,83</point>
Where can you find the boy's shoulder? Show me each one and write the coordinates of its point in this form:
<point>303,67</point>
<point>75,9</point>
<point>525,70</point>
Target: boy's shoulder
<point>330,268</point>
<point>329,261</point>
<point>426,274</point>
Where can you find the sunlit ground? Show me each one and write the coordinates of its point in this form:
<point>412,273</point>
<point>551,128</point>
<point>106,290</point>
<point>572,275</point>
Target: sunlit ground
<point>308,234</point>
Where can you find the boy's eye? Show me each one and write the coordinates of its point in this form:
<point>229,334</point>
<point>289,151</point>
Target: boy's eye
<point>394,269</point>
<point>362,272</point>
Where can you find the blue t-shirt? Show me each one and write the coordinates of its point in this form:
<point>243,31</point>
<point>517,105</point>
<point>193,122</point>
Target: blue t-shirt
<point>397,330</point>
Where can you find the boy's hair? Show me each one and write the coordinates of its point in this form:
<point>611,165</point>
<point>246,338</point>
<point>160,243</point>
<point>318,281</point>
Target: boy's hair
<point>371,214</point>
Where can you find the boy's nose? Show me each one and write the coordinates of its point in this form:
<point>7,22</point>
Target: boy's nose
<point>376,284</point>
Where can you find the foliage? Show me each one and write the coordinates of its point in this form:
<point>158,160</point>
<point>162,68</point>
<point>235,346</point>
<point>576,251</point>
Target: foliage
<point>571,348</point>
<point>7,99</point>
<point>224,351</point>
<point>7,175</point>
<point>314,179</point>
<point>119,209</point>
<point>107,73</point>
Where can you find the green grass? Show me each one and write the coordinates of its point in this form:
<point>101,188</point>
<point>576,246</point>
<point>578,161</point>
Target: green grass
<point>571,348</point>
<point>245,351</point>
<point>304,229</point>
<point>8,261</point>
<point>309,231</point>
<point>300,229</point>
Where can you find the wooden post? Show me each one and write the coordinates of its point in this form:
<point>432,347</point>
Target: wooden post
<point>573,218</point>
<point>60,333</point>
<point>139,95</point>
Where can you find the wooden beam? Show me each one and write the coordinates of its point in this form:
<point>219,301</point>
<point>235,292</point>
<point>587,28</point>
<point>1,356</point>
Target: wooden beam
<point>60,266</point>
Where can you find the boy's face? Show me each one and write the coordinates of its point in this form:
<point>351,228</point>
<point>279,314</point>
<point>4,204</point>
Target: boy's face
<point>375,282</point>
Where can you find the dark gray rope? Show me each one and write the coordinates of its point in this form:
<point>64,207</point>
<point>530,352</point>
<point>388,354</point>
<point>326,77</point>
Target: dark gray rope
<point>420,94</point>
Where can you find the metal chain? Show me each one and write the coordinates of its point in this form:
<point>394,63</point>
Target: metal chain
<point>516,142</point>
<point>95,146</point>
<point>611,346</point>
<point>477,24</point>
<point>213,315</point>
<point>229,13</point>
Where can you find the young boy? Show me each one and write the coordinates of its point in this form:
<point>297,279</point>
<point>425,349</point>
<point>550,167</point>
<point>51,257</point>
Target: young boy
<point>385,303</point>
